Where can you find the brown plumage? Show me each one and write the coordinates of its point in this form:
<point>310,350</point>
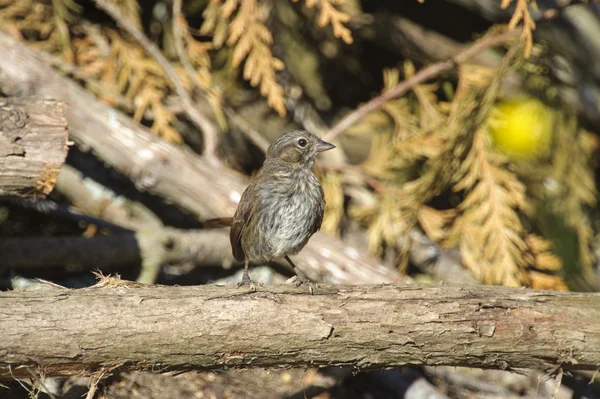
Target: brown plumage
<point>283,206</point>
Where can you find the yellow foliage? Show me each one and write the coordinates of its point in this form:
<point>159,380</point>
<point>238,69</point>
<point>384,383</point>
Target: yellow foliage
<point>413,135</point>
<point>486,225</point>
<point>63,10</point>
<point>489,229</point>
<point>149,98</point>
<point>543,281</point>
<point>251,41</point>
<point>143,82</point>
<point>431,116</point>
<point>330,15</point>
<point>29,15</point>
<point>130,9</point>
<point>522,14</point>
<point>386,221</point>
<point>197,53</point>
<point>436,223</point>
<point>544,259</point>
<point>214,23</point>
<point>580,193</point>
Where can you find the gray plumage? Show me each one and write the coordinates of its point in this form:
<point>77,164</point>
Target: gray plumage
<point>283,206</point>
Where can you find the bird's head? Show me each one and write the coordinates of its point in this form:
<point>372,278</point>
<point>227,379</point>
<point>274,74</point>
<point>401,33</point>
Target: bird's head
<point>297,148</point>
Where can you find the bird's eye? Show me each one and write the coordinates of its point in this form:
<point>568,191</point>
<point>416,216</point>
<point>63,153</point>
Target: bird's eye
<point>302,143</point>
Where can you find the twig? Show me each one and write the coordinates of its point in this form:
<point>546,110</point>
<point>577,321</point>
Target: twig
<point>93,385</point>
<point>209,130</point>
<point>246,129</point>
<point>179,45</point>
<point>31,391</point>
<point>423,75</point>
<point>561,6</point>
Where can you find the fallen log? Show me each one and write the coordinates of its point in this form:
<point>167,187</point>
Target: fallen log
<point>129,326</point>
<point>33,146</point>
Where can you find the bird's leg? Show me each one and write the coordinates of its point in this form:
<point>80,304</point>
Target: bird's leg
<point>246,277</point>
<point>300,276</point>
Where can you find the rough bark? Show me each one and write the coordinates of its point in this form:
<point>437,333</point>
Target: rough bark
<point>175,174</point>
<point>133,327</point>
<point>33,146</point>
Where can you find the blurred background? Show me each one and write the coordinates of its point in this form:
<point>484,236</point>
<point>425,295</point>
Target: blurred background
<point>479,170</point>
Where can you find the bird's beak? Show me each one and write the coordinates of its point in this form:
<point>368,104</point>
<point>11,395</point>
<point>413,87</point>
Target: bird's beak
<point>323,146</point>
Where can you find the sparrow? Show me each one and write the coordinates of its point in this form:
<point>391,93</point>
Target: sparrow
<point>283,205</point>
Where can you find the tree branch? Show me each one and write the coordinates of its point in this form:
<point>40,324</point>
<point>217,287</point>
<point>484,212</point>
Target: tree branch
<point>181,328</point>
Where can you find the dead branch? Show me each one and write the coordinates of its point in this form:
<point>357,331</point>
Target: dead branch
<point>175,174</point>
<point>102,204</point>
<point>181,328</point>
<point>33,146</point>
<point>151,244</point>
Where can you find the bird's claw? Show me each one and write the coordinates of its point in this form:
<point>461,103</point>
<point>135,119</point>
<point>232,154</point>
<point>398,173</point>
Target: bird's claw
<point>246,282</point>
<point>299,280</point>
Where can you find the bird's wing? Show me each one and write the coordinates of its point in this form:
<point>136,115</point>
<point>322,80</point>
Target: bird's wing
<point>320,211</point>
<point>240,221</point>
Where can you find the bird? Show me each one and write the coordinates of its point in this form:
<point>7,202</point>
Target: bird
<point>283,205</point>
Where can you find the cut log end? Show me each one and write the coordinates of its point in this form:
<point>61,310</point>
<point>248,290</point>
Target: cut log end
<point>33,146</point>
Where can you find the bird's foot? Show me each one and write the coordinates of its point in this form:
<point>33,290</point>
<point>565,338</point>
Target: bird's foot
<point>246,281</point>
<point>300,279</point>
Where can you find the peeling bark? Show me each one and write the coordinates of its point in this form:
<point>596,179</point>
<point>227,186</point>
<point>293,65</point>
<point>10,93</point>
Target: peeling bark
<point>133,327</point>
